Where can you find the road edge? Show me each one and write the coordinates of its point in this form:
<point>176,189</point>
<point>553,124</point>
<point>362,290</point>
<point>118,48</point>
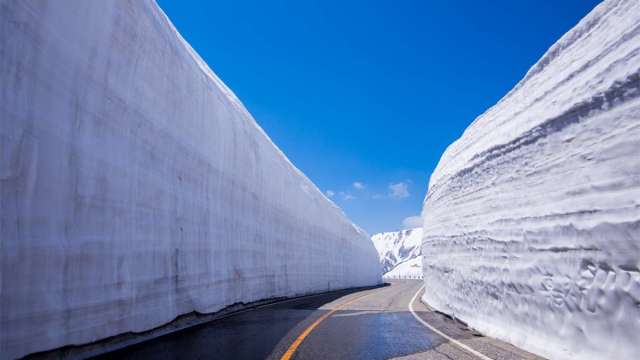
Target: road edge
<point>453,341</point>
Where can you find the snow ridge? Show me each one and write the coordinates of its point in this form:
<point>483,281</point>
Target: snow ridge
<point>532,218</point>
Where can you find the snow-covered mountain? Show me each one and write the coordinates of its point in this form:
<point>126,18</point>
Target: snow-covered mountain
<point>135,186</point>
<point>532,218</point>
<point>399,252</point>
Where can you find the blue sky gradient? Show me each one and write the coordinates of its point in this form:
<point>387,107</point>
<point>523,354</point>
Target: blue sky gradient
<point>371,92</point>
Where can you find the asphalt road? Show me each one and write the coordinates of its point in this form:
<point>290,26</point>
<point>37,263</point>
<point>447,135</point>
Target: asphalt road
<point>369,324</point>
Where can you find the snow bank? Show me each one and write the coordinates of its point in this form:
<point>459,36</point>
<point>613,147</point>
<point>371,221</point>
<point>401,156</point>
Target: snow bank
<point>399,253</point>
<point>134,186</point>
<point>532,219</point>
<point>410,269</point>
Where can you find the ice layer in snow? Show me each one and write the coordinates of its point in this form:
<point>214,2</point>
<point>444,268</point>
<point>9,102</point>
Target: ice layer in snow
<point>135,187</point>
<point>532,218</point>
<point>399,253</point>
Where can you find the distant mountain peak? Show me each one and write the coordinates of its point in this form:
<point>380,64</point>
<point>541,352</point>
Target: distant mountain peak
<point>399,252</point>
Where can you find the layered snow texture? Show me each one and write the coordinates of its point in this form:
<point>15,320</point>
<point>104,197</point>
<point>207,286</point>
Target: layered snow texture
<point>135,187</point>
<point>532,218</point>
<point>399,253</point>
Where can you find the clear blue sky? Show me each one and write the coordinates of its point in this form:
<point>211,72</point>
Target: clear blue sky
<point>371,91</point>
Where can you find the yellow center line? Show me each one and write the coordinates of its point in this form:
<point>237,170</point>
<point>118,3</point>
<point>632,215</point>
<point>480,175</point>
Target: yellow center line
<point>294,346</point>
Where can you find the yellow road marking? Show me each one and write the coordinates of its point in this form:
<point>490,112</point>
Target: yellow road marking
<point>294,346</point>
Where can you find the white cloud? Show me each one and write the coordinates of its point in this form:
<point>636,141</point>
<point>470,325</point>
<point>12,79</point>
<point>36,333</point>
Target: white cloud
<point>358,185</point>
<point>330,193</point>
<point>399,190</point>
<point>412,222</point>
<point>346,196</point>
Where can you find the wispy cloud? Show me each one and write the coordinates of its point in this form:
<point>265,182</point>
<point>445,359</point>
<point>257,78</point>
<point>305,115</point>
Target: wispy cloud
<point>358,185</point>
<point>346,196</point>
<point>412,222</point>
<point>399,190</point>
<point>359,190</point>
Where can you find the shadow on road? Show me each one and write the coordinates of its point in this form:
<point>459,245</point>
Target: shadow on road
<point>253,334</point>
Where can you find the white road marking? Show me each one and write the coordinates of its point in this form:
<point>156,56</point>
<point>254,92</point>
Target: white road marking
<point>363,312</point>
<point>453,341</point>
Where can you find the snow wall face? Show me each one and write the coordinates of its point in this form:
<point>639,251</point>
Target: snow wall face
<point>532,218</point>
<point>135,187</point>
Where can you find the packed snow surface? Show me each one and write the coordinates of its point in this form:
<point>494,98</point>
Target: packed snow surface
<point>399,253</point>
<point>135,187</point>
<point>532,218</point>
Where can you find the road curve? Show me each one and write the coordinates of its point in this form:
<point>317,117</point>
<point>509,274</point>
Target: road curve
<point>369,324</point>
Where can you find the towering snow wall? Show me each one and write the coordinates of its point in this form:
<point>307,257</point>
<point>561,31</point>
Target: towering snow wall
<point>532,219</point>
<point>134,186</point>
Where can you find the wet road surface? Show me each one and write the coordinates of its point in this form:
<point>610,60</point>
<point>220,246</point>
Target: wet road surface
<point>369,324</point>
